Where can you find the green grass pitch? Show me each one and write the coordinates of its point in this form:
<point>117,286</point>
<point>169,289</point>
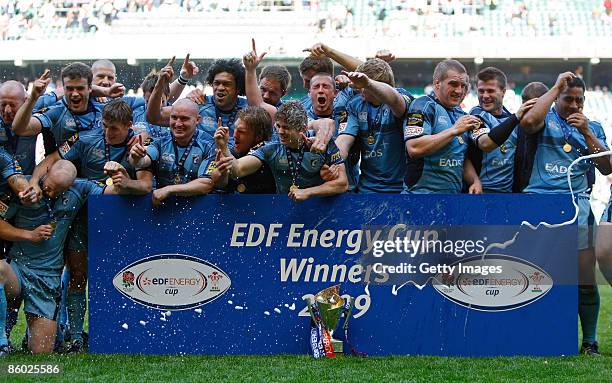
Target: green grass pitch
<point>303,368</point>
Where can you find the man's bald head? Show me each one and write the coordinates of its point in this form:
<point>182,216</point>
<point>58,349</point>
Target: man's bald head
<point>12,88</point>
<point>12,96</point>
<point>62,174</point>
<point>533,90</point>
<point>187,106</point>
<point>104,73</point>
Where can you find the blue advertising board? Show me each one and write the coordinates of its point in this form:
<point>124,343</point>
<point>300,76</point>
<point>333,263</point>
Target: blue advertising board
<point>229,275</point>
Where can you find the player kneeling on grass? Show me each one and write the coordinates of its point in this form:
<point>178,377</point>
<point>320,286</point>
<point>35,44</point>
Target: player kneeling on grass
<point>36,258</point>
<point>295,167</point>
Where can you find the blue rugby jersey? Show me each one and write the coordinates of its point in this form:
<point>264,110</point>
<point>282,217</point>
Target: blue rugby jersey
<point>551,162</point>
<point>200,161</point>
<point>61,123</point>
<point>89,155</point>
<point>383,160</point>
<point>8,167</point>
<point>275,155</point>
<point>497,166</point>
<point>440,172</point>
<point>22,148</point>
<point>47,257</point>
<point>210,113</point>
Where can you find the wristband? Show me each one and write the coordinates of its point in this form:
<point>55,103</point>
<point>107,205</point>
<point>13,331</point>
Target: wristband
<point>182,80</point>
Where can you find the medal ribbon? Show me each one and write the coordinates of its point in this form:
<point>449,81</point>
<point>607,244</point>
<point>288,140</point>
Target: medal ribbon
<point>374,125</point>
<point>180,165</point>
<point>77,122</point>
<point>294,167</point>
<point>565,127</point>
<point>232,116</point>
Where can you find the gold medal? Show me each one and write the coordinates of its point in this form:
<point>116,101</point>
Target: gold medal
<point>109,182</point>
<point>371,140</point>
<point>460,139</point>
<point>241,188</point>
<point>177,180</point>
<point>503,148</point>
<point>293,188</point>
<point>567,148</point>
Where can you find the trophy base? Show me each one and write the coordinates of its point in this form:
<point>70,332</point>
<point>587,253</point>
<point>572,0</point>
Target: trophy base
<point>338,346</point>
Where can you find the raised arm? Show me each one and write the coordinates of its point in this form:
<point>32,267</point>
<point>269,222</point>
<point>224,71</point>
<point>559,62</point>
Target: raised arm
<point>250,61</point>
<point>24,124</point>
<point>499,134</point>
<point>349,62</point>
<point>157,114</point>
<point>188,70</point>
<point>381,91</point>
<point>533,121</point>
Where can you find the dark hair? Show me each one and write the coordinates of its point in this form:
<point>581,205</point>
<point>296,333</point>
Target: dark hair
<point>231,66</point>
<point>257,119</point>
<point>117,111</point>
<point>293,114</point>
<point>444,66</point>
<point>278,73</point>
<point>533,90</point>
<point>576,82</point>
<point>492,73</point>
<point>318,64</point>
<point>77,70</point>
<point>149,83</point>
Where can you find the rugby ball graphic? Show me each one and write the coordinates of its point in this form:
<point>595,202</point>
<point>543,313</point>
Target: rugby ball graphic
<point>172,282</point>
<point>518,284</point>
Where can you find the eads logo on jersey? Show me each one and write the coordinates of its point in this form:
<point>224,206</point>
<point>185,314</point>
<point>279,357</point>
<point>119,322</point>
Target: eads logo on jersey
<point>172,282</point>
<point>518,283</point>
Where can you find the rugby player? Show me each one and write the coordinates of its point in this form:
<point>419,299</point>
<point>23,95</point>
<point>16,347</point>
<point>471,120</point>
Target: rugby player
<point>295,168</point>
<point>375,124</point>
<point>183,163</point>
<point>564,134</point>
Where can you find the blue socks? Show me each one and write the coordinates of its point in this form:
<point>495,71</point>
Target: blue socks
<point>76,304</point>
<point>588,311</point>
<point>3,340</point>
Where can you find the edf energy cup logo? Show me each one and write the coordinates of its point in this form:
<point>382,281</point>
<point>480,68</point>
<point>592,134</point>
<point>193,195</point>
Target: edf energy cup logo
<point>172,282</point>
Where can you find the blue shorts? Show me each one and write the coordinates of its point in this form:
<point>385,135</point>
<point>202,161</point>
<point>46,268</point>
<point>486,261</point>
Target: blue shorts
<point>41,293</point>
<point>77,234</point>
<point>586,223</point>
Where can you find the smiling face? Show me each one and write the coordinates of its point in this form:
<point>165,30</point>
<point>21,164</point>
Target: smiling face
<point>322,92</point>
<point>11,99</point>
<point>452,89</point>
<point>490,96</point>
<point>76,93</point>
<point>225,91</point>
<point>184,119</point>
<point>115,132</point>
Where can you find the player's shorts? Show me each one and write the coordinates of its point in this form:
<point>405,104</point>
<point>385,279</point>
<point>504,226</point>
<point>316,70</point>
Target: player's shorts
<point>41,293</point>
<point>77,234</point>
<point>586,223</point>
<point>606,216</point>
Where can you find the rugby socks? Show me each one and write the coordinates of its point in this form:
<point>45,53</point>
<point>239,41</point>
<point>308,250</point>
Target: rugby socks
<point>3,340</point>
<point>75,302</point>
<point>63,314</point>
<point>588,311</point>
<point>11,320</point>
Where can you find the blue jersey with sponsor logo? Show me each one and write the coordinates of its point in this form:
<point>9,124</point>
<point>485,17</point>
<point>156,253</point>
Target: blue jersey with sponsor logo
<point>8,167</point>
<point>551,162</point>
<point>200,161</point>
<point>306,102</point>
<point>276,155</point>
<point>89,153</point>
<point>440,172</point>
<point>61,123</point>
<point>22,148</point>
<point>497,169</point>
<point>379,135</point>
<point>210,114</point>
<point>47,257</point>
